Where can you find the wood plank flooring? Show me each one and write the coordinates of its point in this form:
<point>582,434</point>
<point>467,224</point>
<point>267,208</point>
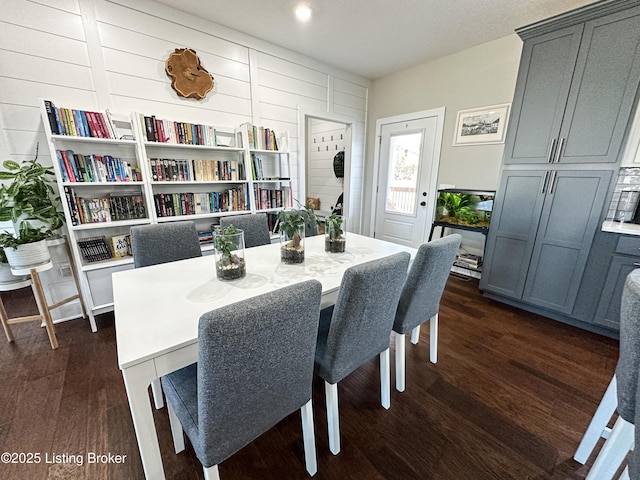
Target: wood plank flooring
<point>509,398</point>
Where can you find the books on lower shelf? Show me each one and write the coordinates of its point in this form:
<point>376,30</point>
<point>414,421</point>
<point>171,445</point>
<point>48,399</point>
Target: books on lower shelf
<point>187,203</point>
<point>79,123</point>
<point>467,260</point>
<point>184,170</point>
<point>267,198</point>
<point>261,138</point>
<point>116,206</point>
<point>94,249</point>
<point>95,168</point>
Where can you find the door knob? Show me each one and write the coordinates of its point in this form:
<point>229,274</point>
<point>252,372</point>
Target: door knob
<point>422,204</point>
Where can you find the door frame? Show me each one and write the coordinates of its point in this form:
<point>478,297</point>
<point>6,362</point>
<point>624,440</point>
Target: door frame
<point>305,113</point>
<point>435,165</point>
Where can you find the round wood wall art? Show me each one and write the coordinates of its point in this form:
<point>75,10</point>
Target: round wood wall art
<point>188,77</point>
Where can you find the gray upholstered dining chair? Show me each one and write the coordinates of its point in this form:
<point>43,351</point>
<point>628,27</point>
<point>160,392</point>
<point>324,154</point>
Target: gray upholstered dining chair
<point>621,396</point>
<point>254,226</point>
<point>358,328</point>
<point>163,243</point>
<point>255,367</point>
<point>310,224</point>
<point>420,299</point>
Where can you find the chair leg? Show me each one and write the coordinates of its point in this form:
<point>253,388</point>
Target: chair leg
<point>211,473</point>
<point>400,362</point>
<point>176,429</point>
<point>385,380</point>
<point>333,419</point>
<point>156,389</point>
<point>433,339</point>
<point>625,474</point>
<point>308,436</point>
<point>613,451</point>
<point>598,426</point>
<point>415,335</point>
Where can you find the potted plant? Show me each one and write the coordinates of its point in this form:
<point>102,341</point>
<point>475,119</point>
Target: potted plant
<point>228,243</point>
<point>335,238</point>
<point>28,199</point>
<point>292,233</point>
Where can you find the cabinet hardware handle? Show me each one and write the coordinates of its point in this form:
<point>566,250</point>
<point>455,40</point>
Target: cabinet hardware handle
<point>636,264</point>
<point>550,154</point>
<point>544,184</point>
<point>552,182</point>
<point>558,152</point>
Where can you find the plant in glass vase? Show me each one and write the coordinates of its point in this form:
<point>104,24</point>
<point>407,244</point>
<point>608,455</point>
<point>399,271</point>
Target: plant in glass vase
<point>291,236</point>
<point>335,238</point>
<point>228,243</point>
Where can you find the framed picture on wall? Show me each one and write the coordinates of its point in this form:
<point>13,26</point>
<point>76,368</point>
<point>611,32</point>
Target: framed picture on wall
<point>482,125</point>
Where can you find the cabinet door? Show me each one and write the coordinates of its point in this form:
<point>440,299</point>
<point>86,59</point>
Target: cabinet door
<point>608,313</point>
<point>511,236</point>
<point>604,86</point>
<point>544,79</point>
<point>569,219</point>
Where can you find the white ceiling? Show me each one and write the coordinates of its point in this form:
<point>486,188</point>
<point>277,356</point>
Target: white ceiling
<point>373,38</point>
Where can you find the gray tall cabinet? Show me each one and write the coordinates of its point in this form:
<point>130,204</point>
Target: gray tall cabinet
<point>576,88</point>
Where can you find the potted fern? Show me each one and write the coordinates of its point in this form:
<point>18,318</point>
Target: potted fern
<point>28,199</point>
<point>228,245</point>
<point>335,238</point>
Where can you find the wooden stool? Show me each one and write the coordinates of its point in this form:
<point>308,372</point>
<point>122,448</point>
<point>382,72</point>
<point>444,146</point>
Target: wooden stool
<point>43,307</point>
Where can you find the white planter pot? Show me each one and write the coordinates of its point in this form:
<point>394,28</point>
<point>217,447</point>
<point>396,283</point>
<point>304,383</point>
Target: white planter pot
<point>28,254</point>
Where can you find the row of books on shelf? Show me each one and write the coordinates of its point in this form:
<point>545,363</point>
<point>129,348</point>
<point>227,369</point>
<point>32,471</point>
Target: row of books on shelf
<point>468,260</point>
<point>174,204</point>
<point>95,249</point>
<point>176,170</point>
<point>261,138</point>
<point>114,207</point>
<point>79,123</point>
<point>258,172</point>
<point>267,198</point>
<point>166,131</point>
<point>75,167</point>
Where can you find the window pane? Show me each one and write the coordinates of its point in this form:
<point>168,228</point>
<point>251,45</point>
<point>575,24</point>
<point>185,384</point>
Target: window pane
<point>404,166</point>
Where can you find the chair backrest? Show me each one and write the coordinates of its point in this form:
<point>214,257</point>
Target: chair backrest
<point>163,243</point>
<point>254,226</point>
<point>310,224</point>
<point>255,365</point>
<point>420,299</point>
<point>363,315</point>
<point>629,361</point>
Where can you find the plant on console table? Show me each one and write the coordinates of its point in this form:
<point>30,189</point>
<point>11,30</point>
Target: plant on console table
<point>228,243</point>
<point>28,199</point>
<point>335,238</point>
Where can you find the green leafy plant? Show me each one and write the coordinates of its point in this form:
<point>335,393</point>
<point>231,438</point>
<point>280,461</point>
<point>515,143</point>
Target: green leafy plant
<point>27,194</point>
<point>333,224</point>
<point>291,222</point>
<point>224,243</point>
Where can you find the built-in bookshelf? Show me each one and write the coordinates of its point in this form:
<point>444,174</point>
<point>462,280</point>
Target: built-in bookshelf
<point>121,170</point>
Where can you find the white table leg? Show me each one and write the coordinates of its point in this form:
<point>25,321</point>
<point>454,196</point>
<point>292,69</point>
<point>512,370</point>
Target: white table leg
<point>136,381</point>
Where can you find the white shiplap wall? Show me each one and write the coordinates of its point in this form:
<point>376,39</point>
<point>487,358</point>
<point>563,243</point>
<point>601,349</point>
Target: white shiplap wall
<point>98,54</point>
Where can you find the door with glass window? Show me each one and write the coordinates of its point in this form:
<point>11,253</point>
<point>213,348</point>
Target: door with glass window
<point>404,206</point>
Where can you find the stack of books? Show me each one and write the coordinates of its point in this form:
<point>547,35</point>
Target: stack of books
<point>467,260</point>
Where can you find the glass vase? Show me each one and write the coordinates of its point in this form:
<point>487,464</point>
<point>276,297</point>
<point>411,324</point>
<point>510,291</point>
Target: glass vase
<point>335,234</point>
<point>229,255</point>
<point>292,246</point>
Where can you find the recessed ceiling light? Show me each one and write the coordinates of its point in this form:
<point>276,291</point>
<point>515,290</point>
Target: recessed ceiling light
<point>303,13</point>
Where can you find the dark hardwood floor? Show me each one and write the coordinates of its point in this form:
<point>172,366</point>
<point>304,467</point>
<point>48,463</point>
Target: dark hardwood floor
<point>509,398</point>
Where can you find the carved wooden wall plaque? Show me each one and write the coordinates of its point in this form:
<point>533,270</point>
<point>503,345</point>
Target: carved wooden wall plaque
<point>188,77</point>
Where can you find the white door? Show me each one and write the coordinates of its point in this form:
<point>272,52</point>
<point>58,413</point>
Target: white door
<point>407,175</point>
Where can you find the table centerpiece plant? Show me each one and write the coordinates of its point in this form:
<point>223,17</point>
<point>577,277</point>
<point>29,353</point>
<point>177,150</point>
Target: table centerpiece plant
<point>335,237</point>
<point>228,243</point>
<point>292,233</point>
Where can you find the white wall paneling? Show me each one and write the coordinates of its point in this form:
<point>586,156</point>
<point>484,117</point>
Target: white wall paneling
<point>98,54</point>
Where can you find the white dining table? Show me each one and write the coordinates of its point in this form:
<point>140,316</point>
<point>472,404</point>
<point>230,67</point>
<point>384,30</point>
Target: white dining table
<point>157,309</point>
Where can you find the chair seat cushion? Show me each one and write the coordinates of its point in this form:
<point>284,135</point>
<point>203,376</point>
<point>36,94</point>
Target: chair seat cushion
<point>181,389</point>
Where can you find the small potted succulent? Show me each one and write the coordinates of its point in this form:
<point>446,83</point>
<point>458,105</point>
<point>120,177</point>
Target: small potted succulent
<point>335,236</point>
<point>228,244</point>
<point>291,236</point>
